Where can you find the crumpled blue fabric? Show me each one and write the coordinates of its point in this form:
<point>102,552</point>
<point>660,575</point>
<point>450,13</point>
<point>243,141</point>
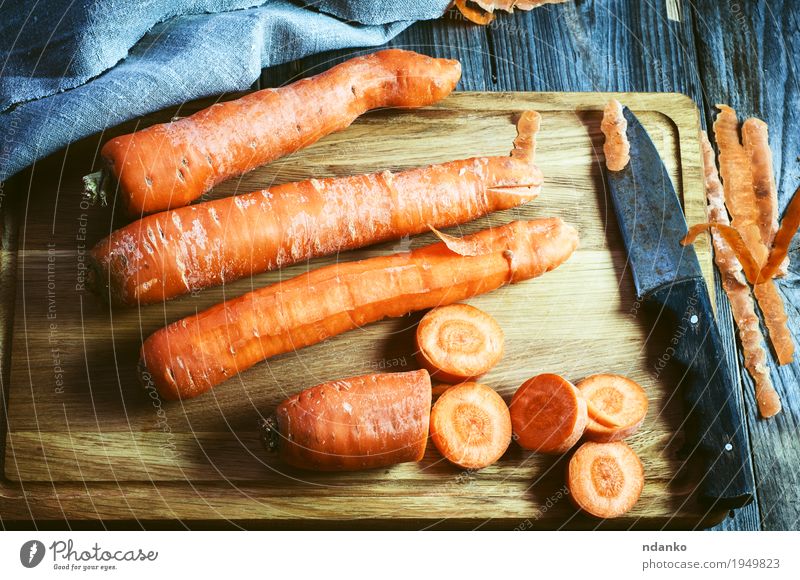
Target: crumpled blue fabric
<point>72,68</point>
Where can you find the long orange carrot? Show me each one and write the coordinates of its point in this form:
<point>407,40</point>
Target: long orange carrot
<point>176,252</point>
<point>192,355</point>
<point>357,423</point>
<point>172,164</point>
<point>738,292</point>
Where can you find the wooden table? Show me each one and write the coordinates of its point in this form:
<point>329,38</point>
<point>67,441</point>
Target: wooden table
<point>740,53</point>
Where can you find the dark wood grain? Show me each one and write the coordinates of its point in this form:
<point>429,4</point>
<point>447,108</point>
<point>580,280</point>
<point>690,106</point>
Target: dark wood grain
<point>749,53</point>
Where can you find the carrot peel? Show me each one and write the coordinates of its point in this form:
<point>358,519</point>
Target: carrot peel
<point>605,479</point>
<point>736,243</point>
<point>548,414</point>
<point>783,238</point>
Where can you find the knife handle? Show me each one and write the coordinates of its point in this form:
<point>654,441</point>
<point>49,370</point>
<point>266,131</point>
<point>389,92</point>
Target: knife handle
<point>716,427</point>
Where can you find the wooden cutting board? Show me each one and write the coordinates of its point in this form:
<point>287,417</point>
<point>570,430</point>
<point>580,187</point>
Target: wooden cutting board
<point>86,441</point>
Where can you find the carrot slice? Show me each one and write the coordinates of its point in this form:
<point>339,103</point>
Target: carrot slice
<point>548,414</point>
<point>613,399</point>
<point>458,343</point>
<point>737,179</point>
<point>605,479</point>
<point>776,319</point>
<point>782,240</point>
<point>470,425</point>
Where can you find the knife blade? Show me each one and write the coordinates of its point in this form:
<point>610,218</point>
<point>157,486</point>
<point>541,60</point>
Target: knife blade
<point>668,279</point>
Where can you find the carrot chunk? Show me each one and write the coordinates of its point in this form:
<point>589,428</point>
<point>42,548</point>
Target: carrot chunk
<point>357,423</point>
<point>471,426</point>
<point>605,479</point>
<point>617,407</point>
<point>548,414</point>
<point>458,343</point>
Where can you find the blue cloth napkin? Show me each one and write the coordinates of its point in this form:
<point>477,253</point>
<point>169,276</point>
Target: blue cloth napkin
<point>71,68</point>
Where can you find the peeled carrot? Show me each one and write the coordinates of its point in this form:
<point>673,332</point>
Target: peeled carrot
<point>172,164</point>
<point>192,355</point>
<point>357,423</point>
<point>470,425</point>
<point>176,252</point>
<point>617,407</point>
<point>458,343</point>
<point>605,479</point>
<point>548,413</point>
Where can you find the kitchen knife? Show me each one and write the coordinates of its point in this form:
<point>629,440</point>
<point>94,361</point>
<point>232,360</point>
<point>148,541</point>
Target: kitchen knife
<point>668,279</point>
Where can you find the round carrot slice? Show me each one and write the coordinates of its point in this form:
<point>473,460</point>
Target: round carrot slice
<point>548,414</point>
<point>617,407</point>
<point>470,425</point>
<point>458,343</point>
<point>605,479</point>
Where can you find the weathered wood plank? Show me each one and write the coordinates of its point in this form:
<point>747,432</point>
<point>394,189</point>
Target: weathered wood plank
<point>749,53</point>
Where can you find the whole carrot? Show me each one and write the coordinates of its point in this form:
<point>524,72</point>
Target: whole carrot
<point>172,164</point>
<point>357,423</point>
<point>194,354</point>
<point>179,251</point>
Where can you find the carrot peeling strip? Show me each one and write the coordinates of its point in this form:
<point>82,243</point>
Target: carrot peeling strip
<point>474,14</point>
<point>780,249</point>
<point>775,317</point>
<point>755,138</point>
<point>735,242</point>
<point>737,180</point>
<point>740,198</point>
<point>735,286</point>
<point>614,127</point>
